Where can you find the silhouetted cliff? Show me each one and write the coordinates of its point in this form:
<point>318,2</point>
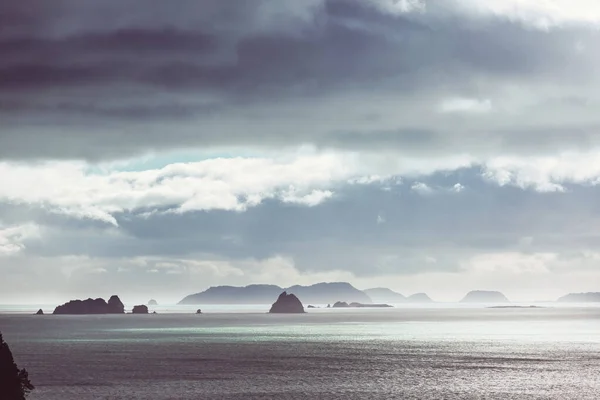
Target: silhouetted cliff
<point>14,382</point>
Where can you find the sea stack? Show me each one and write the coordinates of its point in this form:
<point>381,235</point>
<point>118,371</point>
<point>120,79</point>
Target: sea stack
<point>115,305</point>
<point>39,312</point>
<point>141,309</point>
<point>287,304</point>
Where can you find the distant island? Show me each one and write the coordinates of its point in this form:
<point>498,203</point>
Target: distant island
<point>385,295</point>
<point>484,296</point>
<point>320,293</point>
<point>152,302</point>
<point>515,307</point>
<point>590,297</point>
<point>92,306</point>
<point>287,304</point>
<point>419,298</point>
<point>343,304</point>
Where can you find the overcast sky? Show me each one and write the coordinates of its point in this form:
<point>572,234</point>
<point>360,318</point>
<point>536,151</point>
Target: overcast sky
<point>153,149</point>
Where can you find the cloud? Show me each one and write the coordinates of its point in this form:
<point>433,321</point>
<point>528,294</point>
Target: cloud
<point>12,238</point>
<point>214,184</point>
<point>458,105</point>
<point>421,188</point>
<point>398,143</point>
<point>272,74</point>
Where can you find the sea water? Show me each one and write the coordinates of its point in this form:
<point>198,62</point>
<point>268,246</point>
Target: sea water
<point>398,353</point>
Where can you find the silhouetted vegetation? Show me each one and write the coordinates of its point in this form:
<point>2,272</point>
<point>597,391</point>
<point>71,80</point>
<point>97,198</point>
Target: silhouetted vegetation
<point>14,383</point>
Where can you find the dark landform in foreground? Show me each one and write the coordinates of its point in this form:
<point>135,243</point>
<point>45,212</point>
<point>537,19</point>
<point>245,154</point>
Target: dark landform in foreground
<point>343,304</point>
<point>590,297</point>
<point>14,382</point>
<point>320,293</point>
<point>287,304</point>
<point>92,306</point>
<point>483,296</point>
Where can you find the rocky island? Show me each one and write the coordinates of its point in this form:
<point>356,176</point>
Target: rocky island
<point>141,309</point>
<point>343,304</point>
<point>590,297</point>
<point>92,306</point>
<point>319,293</point>
<point>419,298</point>
<point>484,296</point>
<point>152,302</point>
<point>287,304</point>
<point>385,295</point>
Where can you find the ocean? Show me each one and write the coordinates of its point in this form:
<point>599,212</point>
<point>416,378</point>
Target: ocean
<point>398,353</point>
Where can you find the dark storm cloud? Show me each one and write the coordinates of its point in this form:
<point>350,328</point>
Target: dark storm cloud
<point>219,72</point>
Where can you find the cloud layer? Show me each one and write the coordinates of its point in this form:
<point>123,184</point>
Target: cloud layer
<point>111,80</point>
<point>433,144</point>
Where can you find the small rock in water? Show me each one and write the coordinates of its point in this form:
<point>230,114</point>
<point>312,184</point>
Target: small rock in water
<point>198,311</point>
<point>40,312</point>
<point>141,309</point>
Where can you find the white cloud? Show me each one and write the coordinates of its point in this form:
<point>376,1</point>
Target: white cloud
<point>458,188</point>
<point>12,238</point>
<point>538,13</point>
<point>223,184</point>
<point>465,105</point>
<point>545,174</point>
<point>421,188</point>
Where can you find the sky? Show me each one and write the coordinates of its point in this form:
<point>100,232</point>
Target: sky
<point>153,150</point>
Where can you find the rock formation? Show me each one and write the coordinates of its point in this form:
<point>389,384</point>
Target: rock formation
<point>140,309</point>
<point>39,312</point>
<point>320,293</point>
<point>483,296</point>
<point>343,304</point>
<point>419,298</point>
<point>198,311</point>
<point>384,295</point>
<point>287,303</point>
<point>92,306</point>
<point>14,382</point>
<point>591,297</point>
<point>115,305</point>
